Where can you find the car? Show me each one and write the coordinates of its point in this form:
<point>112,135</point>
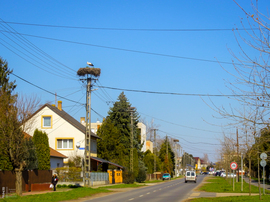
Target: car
<point>223,174</point>
<point>190,176</point>
<point>166,176</point>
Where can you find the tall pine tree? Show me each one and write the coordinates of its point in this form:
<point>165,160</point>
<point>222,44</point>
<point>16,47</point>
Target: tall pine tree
<point>167,159</point>
<point>41,142</point>
<point>115,133</point>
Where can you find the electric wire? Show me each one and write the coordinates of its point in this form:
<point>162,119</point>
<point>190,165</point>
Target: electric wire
<point>54,94</point>
<point>33,50</point>
<point>171,93</point>
<point>130,50</point>
<point>47,66</point>
<point>36,49</point>
<point>175,136</point>
<point>128,29</point>
<point>33,63</point>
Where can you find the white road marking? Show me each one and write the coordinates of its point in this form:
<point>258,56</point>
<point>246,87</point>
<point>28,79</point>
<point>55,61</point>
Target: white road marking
<point>148,193</point>
<point>141,196</point>
<point>131,199</point>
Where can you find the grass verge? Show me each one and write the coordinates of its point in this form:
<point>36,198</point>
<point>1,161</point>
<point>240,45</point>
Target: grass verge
<point>57,196</point>
<point>221,185</point>
<point>233,199</point>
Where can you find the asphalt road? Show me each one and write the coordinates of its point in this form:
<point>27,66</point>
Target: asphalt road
<point>169,191</point>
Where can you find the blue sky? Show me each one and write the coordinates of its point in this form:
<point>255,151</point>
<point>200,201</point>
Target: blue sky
<point>130,57</point>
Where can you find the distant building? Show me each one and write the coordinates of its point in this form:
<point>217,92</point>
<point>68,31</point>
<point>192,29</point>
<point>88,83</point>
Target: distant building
<point>149,146</point>
<point>141,130</point>
<point>142,135</point>
<point>198,162</point>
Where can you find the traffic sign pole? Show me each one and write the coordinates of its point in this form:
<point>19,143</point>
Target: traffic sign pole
<point>263,156</point>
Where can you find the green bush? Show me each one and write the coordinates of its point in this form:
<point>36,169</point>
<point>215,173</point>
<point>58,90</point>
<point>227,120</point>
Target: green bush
<point>71,174</point>
<point>141,176</point>
<point>128,177</point>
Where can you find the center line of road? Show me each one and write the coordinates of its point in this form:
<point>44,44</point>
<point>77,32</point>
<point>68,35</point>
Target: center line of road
<point>154,191</point>
<point>141,196</point>
<point>131,199</point>
<point>148,193</point>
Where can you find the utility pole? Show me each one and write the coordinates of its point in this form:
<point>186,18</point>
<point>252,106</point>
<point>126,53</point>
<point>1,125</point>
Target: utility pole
<point>90,73</point>
<point>175,156</point>
<point>131,139</point>
<point>87,153</point>
<point>237,145</point>
<point>167,147</point>
<point>155,142</point>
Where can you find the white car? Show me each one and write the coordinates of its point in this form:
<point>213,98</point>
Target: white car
<point>190,176</point>
<point>223,174</point>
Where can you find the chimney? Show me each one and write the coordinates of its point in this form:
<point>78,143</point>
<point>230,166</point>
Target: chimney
<point>60,105</point>
<point>82,120</point>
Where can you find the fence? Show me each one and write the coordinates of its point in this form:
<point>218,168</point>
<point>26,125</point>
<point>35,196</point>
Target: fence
<point>75,176</point>
<point>32,180</point>
<point>150,177</point>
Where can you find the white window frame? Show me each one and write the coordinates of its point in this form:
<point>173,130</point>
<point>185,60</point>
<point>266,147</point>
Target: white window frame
<point>43,121</point>
<point>67,141</point>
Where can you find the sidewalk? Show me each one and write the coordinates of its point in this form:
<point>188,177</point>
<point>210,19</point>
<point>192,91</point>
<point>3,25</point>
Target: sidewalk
<point>255,183</point>
<point>198,194</point>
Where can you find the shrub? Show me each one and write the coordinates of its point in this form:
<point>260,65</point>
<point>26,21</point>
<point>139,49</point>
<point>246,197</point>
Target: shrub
<point>128,177</point>
<point>71,174</point>
<point>141,176</point>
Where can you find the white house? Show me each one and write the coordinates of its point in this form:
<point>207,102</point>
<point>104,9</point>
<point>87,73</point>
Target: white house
<point>66,135</point>
<point>142,128</point>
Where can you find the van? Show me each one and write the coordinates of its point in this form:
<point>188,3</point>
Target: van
<point>190,176</point>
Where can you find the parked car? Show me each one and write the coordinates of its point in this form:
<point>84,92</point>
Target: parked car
<point>219,174</point>
<point>166,176</point>
<point>223,174</point>
<point>190,176</point>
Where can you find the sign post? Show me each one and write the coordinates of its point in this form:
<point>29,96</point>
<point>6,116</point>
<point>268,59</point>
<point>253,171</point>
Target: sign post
<point>233,167</point>
<point>263,156</point>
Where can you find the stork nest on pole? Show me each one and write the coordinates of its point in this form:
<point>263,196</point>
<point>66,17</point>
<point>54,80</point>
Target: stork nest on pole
<point>87,70</point>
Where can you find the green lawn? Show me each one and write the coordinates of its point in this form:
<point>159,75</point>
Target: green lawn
<point>221,185</point>
<point>74,193</point>
<point>62,194</point>
<point>233,198</point>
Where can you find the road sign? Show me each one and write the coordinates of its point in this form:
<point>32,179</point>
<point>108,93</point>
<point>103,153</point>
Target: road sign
<point>263,156</point>
<point>263,163</point>
<point>233,166</point>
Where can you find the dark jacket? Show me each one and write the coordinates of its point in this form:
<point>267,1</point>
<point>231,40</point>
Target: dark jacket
<point>54,180</point>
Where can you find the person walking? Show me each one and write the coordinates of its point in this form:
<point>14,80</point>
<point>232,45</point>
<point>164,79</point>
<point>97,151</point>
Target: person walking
<point>54,181</point>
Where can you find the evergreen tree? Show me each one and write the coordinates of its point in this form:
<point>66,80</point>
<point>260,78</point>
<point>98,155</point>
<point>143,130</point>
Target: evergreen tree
<point>115,133</point>
<point>167,161</point>
<point>148,160</point>
<point>6,85</point>
<point>41,143</point>
<point>31,156</point>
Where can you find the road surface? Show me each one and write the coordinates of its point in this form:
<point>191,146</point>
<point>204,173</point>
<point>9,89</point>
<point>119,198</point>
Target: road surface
<point>169,191</point>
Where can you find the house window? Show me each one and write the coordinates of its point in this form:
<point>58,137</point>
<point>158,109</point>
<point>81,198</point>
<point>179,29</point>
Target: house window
<point>46,122</point>
<point>93,146</point>
<point>64,143</point>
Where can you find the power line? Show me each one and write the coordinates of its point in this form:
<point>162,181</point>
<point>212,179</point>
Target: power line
<point>54,94</point>
<point>188,141</point>
<point>170,93</point>
<point>129,50</point>
<point>130,29</point>
<point>29,48</point>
